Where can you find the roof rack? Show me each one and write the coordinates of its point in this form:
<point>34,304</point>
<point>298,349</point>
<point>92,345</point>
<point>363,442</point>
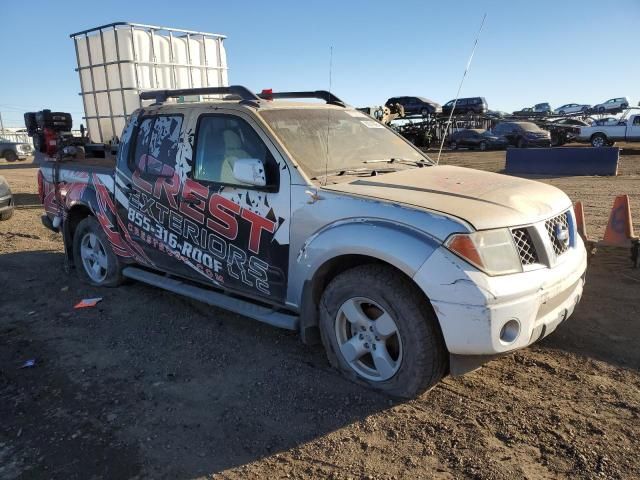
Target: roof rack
<point>161,96</point>
<point>328,97</point>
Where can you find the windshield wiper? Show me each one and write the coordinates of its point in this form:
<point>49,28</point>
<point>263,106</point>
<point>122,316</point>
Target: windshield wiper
<point>404,161</point>
<point>357,171</point>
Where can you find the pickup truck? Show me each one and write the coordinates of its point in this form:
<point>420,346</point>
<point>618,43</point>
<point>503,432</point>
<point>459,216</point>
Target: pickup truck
<point>317,218</point>
<point>627,129</point>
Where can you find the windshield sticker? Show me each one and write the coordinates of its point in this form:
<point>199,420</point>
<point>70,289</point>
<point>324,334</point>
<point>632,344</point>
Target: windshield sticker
<point>355,113</point>
<point>371,124</point>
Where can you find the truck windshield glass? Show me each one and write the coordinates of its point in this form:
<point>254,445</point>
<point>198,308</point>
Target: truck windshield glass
<point>354,138</point>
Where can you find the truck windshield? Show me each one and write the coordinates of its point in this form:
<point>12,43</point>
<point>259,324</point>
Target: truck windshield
<point>353,139</point>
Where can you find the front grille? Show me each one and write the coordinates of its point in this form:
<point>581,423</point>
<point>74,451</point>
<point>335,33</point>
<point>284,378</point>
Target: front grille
<point>525,246</point>
<point>558,231</point>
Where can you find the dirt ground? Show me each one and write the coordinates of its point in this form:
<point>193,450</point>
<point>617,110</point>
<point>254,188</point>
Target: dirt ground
<point>150,385</point>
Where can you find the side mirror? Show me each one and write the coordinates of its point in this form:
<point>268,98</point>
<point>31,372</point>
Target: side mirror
<point>250,171</point>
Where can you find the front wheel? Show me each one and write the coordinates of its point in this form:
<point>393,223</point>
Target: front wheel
<point>10,156</point>
<point>424,112</point>
<point>380,331</point>
<point>453,145</point>
<point>483,146</point>
<point>93,257</point>
<point>521,143</point>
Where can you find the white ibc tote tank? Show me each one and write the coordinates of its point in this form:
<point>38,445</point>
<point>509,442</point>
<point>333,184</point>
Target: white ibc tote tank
<point>118,61</point>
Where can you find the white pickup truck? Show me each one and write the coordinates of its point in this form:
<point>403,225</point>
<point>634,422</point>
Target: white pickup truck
<point>626,130</point>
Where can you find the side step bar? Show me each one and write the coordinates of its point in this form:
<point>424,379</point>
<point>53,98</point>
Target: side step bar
<point>242,307</point>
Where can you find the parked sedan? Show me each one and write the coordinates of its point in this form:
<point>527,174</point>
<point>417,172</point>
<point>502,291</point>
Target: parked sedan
<point>12,151</point>
<point>6,200</point>
<point>415,105</point>
<point>572,108</point>
<point>522,134</point>
<point>475,138</point>
<point>612,105</point>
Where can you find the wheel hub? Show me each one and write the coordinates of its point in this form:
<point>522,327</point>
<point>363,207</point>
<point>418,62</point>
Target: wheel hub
<point>369,339</point>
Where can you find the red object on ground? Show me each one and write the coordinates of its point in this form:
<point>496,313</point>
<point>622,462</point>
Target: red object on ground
<point>619,232</point>
<point>581,225</point>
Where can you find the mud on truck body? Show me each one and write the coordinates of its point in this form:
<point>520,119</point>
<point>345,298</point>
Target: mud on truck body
<point>315,217</point>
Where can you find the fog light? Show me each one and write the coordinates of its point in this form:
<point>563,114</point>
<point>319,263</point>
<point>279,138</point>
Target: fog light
<point>510,331</point>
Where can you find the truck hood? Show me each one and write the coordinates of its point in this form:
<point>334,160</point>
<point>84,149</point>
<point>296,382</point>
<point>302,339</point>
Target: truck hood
<point>483,199</point>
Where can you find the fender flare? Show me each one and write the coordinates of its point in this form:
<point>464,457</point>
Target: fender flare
<point>398,245</point>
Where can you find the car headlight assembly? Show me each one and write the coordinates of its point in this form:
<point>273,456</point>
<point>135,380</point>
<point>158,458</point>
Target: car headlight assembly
<point>491,251</point>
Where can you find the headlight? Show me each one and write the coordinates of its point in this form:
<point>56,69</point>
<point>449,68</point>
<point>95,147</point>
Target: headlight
<point>491,251</point>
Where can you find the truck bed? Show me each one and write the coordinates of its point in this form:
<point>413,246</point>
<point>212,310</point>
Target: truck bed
<point>94,164</point>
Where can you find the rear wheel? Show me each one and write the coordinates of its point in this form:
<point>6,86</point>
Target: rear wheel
<point>453,145</point>
<point>424,112</point>
<point>10,156</point>
<point>93,257</point>
<point>483,146</point>
<point>521,143</point>
<point>598,140</point>
<point>380,331</point>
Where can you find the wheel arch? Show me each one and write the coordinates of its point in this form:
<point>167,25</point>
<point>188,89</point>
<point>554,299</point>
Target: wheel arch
<point>402,249</point>
<point>75,215</point>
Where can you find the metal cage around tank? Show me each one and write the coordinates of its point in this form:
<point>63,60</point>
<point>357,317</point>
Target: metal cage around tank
<point>119,60</point>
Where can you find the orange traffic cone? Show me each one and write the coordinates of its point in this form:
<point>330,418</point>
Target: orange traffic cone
<point>578,211</point>
<point>619,232</point>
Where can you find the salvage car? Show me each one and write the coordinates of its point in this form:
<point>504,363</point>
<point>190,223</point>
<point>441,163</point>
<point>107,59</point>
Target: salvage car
<point>538,110</point>
<point>317,218</point>
<point>466,105</point>
<point>6,200</point>
<point>572,108</point>
<point>522,134</point>
<point>415,105</point>
<point>476,138</point>
<point>625,129</point>
<point>612,105</point>
<point>12,151</point>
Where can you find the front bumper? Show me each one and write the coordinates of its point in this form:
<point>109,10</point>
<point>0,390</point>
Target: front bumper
<point>475,310</point>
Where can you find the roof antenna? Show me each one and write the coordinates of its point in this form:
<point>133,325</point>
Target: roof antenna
<point>475,44</point>
<point>326,163</point>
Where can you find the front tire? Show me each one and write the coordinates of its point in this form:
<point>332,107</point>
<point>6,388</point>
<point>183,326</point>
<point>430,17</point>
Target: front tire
<point>380,331</point>
<point>483,146</point>
<point>93,257</point>
<point>521,143</point>
<point>453,145</point>
<point>424,112</point>
<point>10,156</point>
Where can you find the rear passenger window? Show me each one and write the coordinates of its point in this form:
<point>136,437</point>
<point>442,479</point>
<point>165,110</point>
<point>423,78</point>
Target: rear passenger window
<point>156,143</point>
<point>223,139</point>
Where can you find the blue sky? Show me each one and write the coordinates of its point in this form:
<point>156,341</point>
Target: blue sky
<point>529,52</point>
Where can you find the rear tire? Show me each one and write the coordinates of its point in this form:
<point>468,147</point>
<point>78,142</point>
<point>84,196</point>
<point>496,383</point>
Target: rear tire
<point>424,112</point>
<point>380,331</point>
<point>453,145</point>
<point>483,146</point>
<point>93,257</point>
<point>10,156</point>
<point>521,143</point>
<point>598,140</point>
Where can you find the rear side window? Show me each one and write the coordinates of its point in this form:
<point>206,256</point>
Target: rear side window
<point>156,142</point>
<point>223,139</point>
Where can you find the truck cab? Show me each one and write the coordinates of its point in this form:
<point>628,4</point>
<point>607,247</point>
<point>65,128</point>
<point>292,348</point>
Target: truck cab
<point>317,218</point>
